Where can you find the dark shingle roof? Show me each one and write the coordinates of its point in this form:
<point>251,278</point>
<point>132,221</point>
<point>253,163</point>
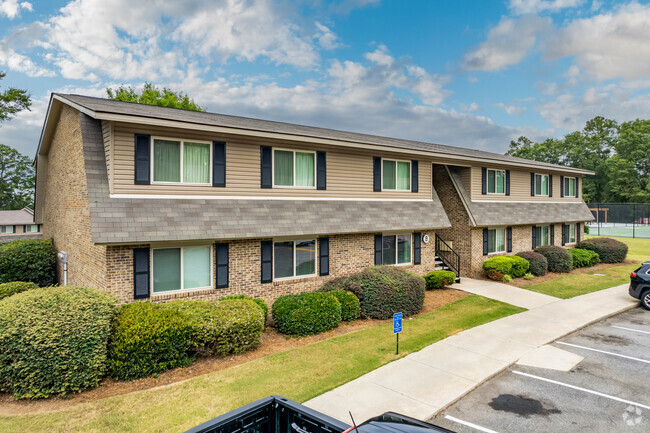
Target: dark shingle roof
<point>129,220</point>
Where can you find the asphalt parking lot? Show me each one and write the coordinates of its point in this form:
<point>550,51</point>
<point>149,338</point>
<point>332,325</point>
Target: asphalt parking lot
<point>607,391</point>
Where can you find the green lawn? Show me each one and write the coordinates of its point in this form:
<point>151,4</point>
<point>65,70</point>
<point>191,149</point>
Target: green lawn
<point>569,286</point>
<point>639,249</point>
<point>299,374</point>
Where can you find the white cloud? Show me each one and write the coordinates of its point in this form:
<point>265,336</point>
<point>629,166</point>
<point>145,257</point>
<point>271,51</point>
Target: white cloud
<point>508,43</point>
<point>380,56</point>
<point>327,39</point>
<point>511,109</point>
<point>521,7</point>
<point>11,8</point>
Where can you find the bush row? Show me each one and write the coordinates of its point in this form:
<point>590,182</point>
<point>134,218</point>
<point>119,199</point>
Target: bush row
<point>583,258</point>
<point>609,250</point>
<point>499,266</point>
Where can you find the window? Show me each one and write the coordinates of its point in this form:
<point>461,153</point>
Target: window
<point>571,234</point>
<point>396,175</point>
<point>541,184</point>
<point>396,249</point>
<point>178,161</point>
<point>294,169</point>
<point>31,228</point>
<point>8,229</point>
<point>542,236</point>
<point>294,259</point>
<point>182,268</point>
<point>496,240</point>
<point>496,180</point>
<point>569,186</point>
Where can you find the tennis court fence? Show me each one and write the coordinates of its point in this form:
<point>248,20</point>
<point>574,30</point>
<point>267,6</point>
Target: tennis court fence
<point>630,220</point>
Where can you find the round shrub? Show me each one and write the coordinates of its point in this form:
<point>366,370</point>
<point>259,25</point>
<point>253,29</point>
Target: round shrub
<point>494,275</point>
<point>583,258</point>
<point>439,279</point>
<point>529,276</point>
<point>28,260</point>
<point>559,259</point>
<point>306,313</point>
<point>54,341</point>
<point>514,266</point>
<point>609,250</point>
<point>506,278</point>
<point>383,291</point>
<point>538,265</point>
<point>8,289</point>
<point>258,301</point>
<point>350,305</point>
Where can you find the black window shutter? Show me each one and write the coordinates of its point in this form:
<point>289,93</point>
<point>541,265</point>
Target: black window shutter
<point>140,273</point>
<point>561,186</point>
<point>142,159</point>
<point>14,228</point>
<point>578,232</point>
<point>507,182</point>
<point>532,184</point>
<point>222,264</point>
<point>376,173</point>
<point>267,261</point>
<point>414,176</point>
<point>218,163</point>
<point>577,187</point>
<point>24,229</point>
<point>323,256</point>
<point>417,248</point>
<point>509,230</point>
<point>483,180</point>
<point>564,234</point>
<point>378,255</point>
<point>321,170</point>
<point>38,227</point>
<point>534,237</point>
<point>485,242</point>
<point>550,185</point>
<point>552,234</point>
<point>266,166</point>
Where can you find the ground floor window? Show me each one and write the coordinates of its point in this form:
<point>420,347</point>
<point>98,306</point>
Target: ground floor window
<point>31,228</point>
<point>542,236</point>
<point>8,229</point>
<point>571,234</point>
<point>183,268</point>
<point>294,258</point>
<point>396,249</point>
<point>496,240</point>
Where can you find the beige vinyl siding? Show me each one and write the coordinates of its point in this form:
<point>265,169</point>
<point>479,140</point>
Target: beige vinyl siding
<point>519,186</point>
<point>107,134</point>
<point>465,174</point>
<point>349,171</point>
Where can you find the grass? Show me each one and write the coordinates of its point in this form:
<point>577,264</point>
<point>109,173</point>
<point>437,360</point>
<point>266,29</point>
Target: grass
<point>569,286</point>
<point>299,374</point>
<point>639,249</point>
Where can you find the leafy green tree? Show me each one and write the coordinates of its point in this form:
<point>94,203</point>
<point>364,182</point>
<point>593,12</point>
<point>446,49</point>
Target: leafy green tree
<point>16,179</point>
<point>629,168</point>
<point>12,101</point>
<point>152,95</point>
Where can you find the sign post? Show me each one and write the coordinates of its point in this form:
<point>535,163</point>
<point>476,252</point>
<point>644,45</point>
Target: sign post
<point>397,328</point>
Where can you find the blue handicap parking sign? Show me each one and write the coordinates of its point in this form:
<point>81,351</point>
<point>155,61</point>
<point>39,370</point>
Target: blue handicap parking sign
<point>397,323</point>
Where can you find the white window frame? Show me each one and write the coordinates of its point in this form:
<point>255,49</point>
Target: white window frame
<point>294,168</point>
<point>505,239</point>
<point>548,186</point>
<point>541,231</point>
<point>566,180</point>
<point>30,226</point>
<point>397,235</point>
<point>487,183</point>
<point>575,234</point>
<point>4,229</point>
<point>410,175</point>
<point>182,141</point>
<point>182,290</point>
<point>294,276</point>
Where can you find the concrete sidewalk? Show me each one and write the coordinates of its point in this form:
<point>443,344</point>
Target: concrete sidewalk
<point>423,383</point>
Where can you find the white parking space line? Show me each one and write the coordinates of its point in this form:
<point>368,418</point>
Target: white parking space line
<point>589,391</point>
<point>469,424</point>
<point>631,329</point>
<point>605,352</point>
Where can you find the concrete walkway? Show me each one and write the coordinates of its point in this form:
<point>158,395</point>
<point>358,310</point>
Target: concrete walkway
<point>423,383</point>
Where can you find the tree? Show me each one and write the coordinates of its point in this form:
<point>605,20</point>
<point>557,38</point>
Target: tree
<point>16,179</point>
<point>13,101</point>
<point>152,95</point>
<point>630,166</point>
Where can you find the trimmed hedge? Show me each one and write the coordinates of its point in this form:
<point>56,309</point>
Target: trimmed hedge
<point>439,279</point>
<point>583,258</point>
<point>559,259</point>
<point>350,305</point>
<point>148,339</point>
<point>9,289</point>
<point>609,250</point>
<point>258,301</point>
<point>514,266</point>
<point>306,313</point>
<point>54,340</point>
<point>383,291</point>
<point>28,260</point>
<point>538,263</point>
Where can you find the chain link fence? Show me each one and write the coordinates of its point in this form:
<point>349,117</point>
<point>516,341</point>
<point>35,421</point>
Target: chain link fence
<point>631,220</point>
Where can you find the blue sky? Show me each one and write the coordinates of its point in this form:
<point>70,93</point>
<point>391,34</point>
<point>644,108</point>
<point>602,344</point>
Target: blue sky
<point>465,73</point>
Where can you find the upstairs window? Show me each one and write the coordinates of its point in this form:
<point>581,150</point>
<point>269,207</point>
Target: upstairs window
<point>294,169</point>
<point>496,240</point>
<point>541,184</point>
<point>176,161</point>
<point>570,186</point>
<point>396,175</point>
<point>496,181</point>
<point>396,249</point>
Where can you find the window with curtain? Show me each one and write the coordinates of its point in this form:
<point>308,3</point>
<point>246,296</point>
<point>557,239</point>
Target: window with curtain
<point>571,235</point>
<point>496,180</point>
<point>181,268</point>
<point>294,258</point>
<point>541,184</point>
<point>396,249</point>
<point>396,175</point>
<point>181,161</point>
<point>32,228</point>
<point>570,186</point>
<point>542,234</point>
<point>7,229</point>
<point>292,168</point>
<point>496,240</point>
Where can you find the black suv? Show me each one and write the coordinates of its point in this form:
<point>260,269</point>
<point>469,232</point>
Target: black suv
<point>640,284</point>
